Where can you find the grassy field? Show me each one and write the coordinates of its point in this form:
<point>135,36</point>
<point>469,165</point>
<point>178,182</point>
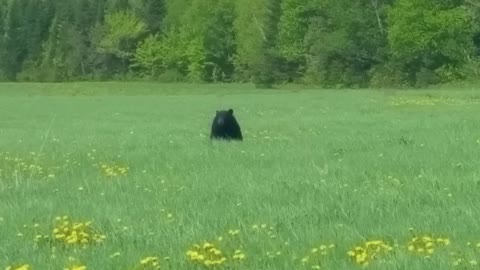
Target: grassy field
<point>323,180</point>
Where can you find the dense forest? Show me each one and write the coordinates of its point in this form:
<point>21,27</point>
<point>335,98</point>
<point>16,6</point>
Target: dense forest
<point>331,43</point>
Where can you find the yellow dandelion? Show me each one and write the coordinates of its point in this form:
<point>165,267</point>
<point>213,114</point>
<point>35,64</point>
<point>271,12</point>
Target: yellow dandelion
<point>82,267</point>
<point>207,245</point>
<point>148,260</point>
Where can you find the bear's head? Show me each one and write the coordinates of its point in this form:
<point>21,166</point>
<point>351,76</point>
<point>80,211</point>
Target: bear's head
<point>224,116</point>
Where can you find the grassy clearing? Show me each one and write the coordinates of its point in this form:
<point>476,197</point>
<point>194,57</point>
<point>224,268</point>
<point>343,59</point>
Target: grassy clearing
<point>320,172</point>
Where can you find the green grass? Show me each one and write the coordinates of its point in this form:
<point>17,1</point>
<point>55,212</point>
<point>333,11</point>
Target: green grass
<point>318,166</point>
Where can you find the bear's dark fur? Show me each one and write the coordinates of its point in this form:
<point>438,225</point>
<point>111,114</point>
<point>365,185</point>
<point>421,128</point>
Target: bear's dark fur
<point>225,126</point>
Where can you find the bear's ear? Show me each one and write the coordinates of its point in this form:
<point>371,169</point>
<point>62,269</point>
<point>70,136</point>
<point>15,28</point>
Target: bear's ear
<point>230,111</point>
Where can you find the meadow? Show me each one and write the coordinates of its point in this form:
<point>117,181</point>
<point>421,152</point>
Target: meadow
<point>112,176</point>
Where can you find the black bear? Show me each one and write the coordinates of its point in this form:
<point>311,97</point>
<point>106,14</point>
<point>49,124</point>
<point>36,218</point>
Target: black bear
<point>225,126</point>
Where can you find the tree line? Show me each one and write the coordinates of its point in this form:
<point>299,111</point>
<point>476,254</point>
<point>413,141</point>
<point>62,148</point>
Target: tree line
<point>331,43</point>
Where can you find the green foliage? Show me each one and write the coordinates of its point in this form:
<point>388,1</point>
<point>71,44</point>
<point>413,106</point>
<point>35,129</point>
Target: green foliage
<point>199,43</point>
<point>344,42</point>
<point>249,34</point>
<point>12,53</point>
<point>55,53</point>
<point>121,32</point>
<point>257,29</point>
<point>149,57</point>
<point>219,42</point>
<point>265,67</point>
<point>292,29</point>
<point>387,75</point>
<point>151,11</point>
<point>170,53</point>
<point>332,43</point>
<point>428,37</point>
